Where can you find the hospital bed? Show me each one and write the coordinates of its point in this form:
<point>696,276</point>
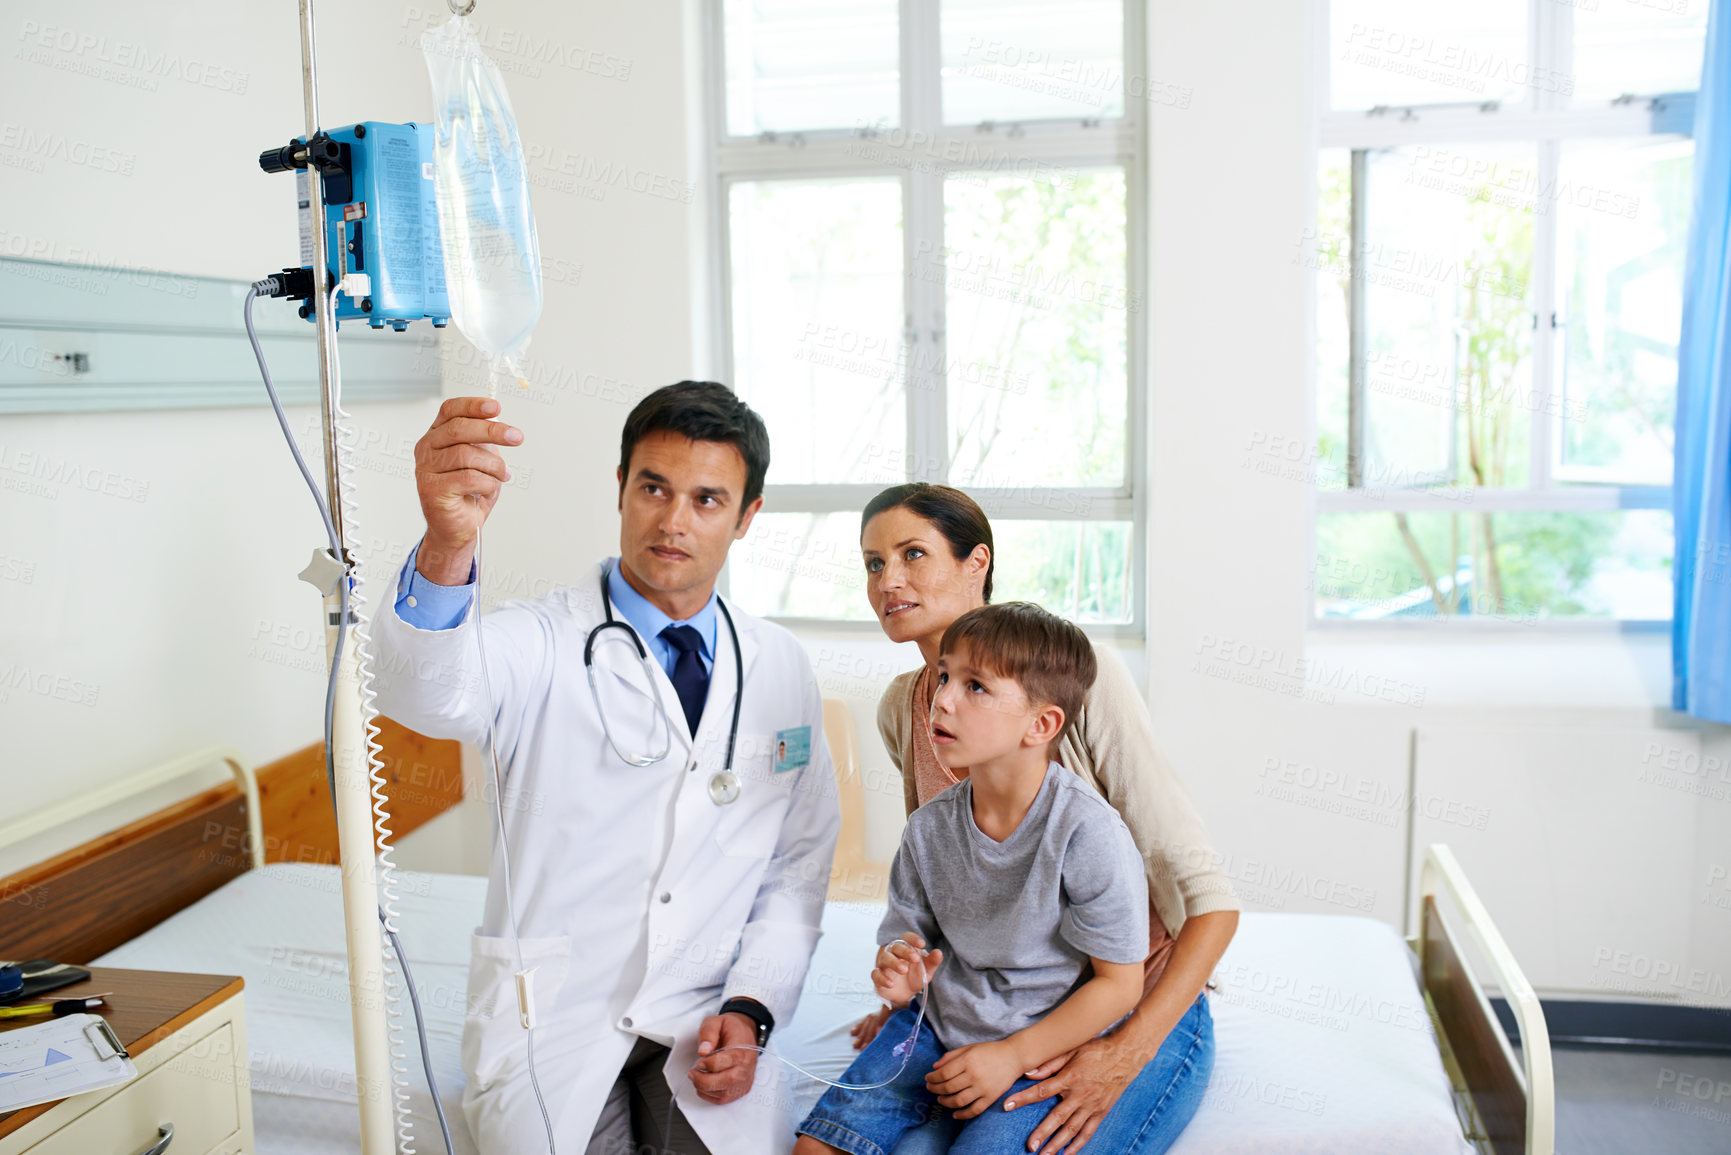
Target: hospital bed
<point>1334,1034</point>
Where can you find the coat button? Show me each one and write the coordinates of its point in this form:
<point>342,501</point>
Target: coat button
<point>666,897</point>
<point>626,1023</point>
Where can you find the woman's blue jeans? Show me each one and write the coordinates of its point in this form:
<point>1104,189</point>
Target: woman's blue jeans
<point>1147,1118</point>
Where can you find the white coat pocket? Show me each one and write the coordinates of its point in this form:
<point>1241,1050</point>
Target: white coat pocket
<point>750,826</point>
<point>494,1041</point>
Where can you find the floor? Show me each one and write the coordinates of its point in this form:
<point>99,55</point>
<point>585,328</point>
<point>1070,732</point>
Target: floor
<point>1642,1103</point>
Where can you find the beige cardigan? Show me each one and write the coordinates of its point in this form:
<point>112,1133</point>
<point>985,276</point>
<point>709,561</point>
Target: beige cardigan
<point>1112,747</point>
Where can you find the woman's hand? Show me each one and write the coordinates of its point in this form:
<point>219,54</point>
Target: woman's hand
<point>1089,1079</point>
<point>1051,1066</point>
<point>867,1028</point>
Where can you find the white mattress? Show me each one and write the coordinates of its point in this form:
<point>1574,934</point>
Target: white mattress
<point>281,929</point>
<point>1322,1045</point>
<point>1323,1040</point>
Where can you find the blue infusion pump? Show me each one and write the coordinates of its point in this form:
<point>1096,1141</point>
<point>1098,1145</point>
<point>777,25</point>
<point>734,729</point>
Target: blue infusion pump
<point>381,220</point>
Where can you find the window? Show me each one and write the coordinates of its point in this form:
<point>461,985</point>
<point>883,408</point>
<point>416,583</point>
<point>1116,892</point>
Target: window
<point>1503,204</point>
<point>927,220</point>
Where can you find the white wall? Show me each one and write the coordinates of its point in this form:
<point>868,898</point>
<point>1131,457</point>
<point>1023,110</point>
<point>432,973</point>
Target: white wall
<point>183,610</point>
<point>1231,182</point>
<point>1539,755</point>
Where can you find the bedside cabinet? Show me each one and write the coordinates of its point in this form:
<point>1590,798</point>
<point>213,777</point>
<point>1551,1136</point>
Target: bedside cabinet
<point>187,1036</point>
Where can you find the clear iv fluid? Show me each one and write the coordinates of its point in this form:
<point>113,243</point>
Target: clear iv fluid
<point>493,278</point>
<point>486,221</point>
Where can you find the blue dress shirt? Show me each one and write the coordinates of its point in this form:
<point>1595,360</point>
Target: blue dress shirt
<point>429,606</point>
<point>649,621</point>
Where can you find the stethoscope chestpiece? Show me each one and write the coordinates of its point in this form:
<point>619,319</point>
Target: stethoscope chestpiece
<point>723,787</point>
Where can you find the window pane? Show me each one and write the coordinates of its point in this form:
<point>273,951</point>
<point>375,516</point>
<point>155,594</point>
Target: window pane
<point>1423,52</point>
<point>1037,308</point>
<point>1647,48</point>
<point>803,565</point>
<point>1032,59</point>
<point>1077,569</point>
<point>811,64</point>
<point>1448,268</point>
<point>1327,253</point>
<point>817,325</point>
<point>1623,224</point>
<point>808,565</point>
<point>1525,566</point>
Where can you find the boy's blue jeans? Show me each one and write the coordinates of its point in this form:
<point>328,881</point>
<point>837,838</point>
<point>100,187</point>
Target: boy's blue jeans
<point>906,1119</point>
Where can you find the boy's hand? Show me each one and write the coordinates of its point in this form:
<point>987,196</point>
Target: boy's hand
<point>896,977</point>
<point>969,1079</point>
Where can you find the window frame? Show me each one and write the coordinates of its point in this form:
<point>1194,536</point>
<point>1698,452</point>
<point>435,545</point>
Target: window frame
<point>1548,120</point>
<point>1071,143</point>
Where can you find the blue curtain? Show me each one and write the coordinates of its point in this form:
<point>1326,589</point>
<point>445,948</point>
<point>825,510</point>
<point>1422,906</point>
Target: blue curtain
<point>1701,627</point>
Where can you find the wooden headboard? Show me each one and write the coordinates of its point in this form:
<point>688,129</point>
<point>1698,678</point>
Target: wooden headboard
<point>88,900</point>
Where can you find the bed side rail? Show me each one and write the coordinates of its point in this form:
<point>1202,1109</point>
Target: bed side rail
<point>1513,1097</point>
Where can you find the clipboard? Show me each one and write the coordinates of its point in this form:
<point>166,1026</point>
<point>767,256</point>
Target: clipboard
<point>60,1057</point>
<point>41,976</point>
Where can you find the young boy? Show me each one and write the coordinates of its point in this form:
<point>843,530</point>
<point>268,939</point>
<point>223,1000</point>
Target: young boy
<point>1029,890</point>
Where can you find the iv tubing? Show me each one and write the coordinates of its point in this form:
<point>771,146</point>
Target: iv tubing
<point>906,1048</point>
<point>499,814</point>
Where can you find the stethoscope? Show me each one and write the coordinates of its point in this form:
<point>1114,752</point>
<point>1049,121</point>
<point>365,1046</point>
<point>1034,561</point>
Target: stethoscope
<point>724,783</point>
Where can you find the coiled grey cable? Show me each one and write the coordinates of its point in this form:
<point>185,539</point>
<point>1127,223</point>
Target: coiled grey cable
<point>420,1029</point>
<point>271,285</point>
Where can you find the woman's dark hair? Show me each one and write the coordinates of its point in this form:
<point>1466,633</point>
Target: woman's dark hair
<point>702,411</point>
<point>952,513</point>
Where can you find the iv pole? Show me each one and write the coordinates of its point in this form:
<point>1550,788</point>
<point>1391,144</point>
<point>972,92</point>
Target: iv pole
<point>353,793</point>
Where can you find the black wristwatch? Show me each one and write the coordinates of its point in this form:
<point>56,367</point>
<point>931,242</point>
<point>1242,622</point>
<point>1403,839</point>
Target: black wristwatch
<point>756,1012</point>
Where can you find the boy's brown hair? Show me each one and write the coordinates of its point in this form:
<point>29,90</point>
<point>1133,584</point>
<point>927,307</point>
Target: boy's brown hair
<point>1050,658</point>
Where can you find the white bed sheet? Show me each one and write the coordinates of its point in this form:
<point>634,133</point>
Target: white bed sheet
<point>1323,1040</point>
<point>281,929</point>
<point>1322,1044</point>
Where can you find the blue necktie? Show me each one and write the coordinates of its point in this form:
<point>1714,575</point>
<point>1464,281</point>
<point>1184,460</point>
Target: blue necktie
<point>690,679</point>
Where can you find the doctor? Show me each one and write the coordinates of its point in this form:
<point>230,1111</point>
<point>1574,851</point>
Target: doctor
<point>669,904</point>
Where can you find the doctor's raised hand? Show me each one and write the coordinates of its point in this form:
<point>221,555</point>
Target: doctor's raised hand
<point>459,477</point>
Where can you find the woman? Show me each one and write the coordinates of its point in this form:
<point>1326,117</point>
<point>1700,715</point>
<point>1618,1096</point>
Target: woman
<point>928,560</point>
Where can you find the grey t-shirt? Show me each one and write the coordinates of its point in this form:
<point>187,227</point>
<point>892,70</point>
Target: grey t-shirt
<point>1019,919</point>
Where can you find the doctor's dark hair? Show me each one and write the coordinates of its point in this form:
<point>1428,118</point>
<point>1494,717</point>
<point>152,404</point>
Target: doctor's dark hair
<point>701,411</point>
<point>957,517</point>
<point>1050,658</point>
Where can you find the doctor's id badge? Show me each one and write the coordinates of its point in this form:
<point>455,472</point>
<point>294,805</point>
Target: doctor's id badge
<point>792,748</point>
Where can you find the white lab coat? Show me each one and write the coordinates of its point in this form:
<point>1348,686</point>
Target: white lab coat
<point>642,902</point>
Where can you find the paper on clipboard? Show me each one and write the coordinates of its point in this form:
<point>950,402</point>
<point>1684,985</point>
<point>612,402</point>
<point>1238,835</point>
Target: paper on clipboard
<point>60,1057</point>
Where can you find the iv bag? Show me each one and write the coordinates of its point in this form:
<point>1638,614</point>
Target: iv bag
<point>492,257</point>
